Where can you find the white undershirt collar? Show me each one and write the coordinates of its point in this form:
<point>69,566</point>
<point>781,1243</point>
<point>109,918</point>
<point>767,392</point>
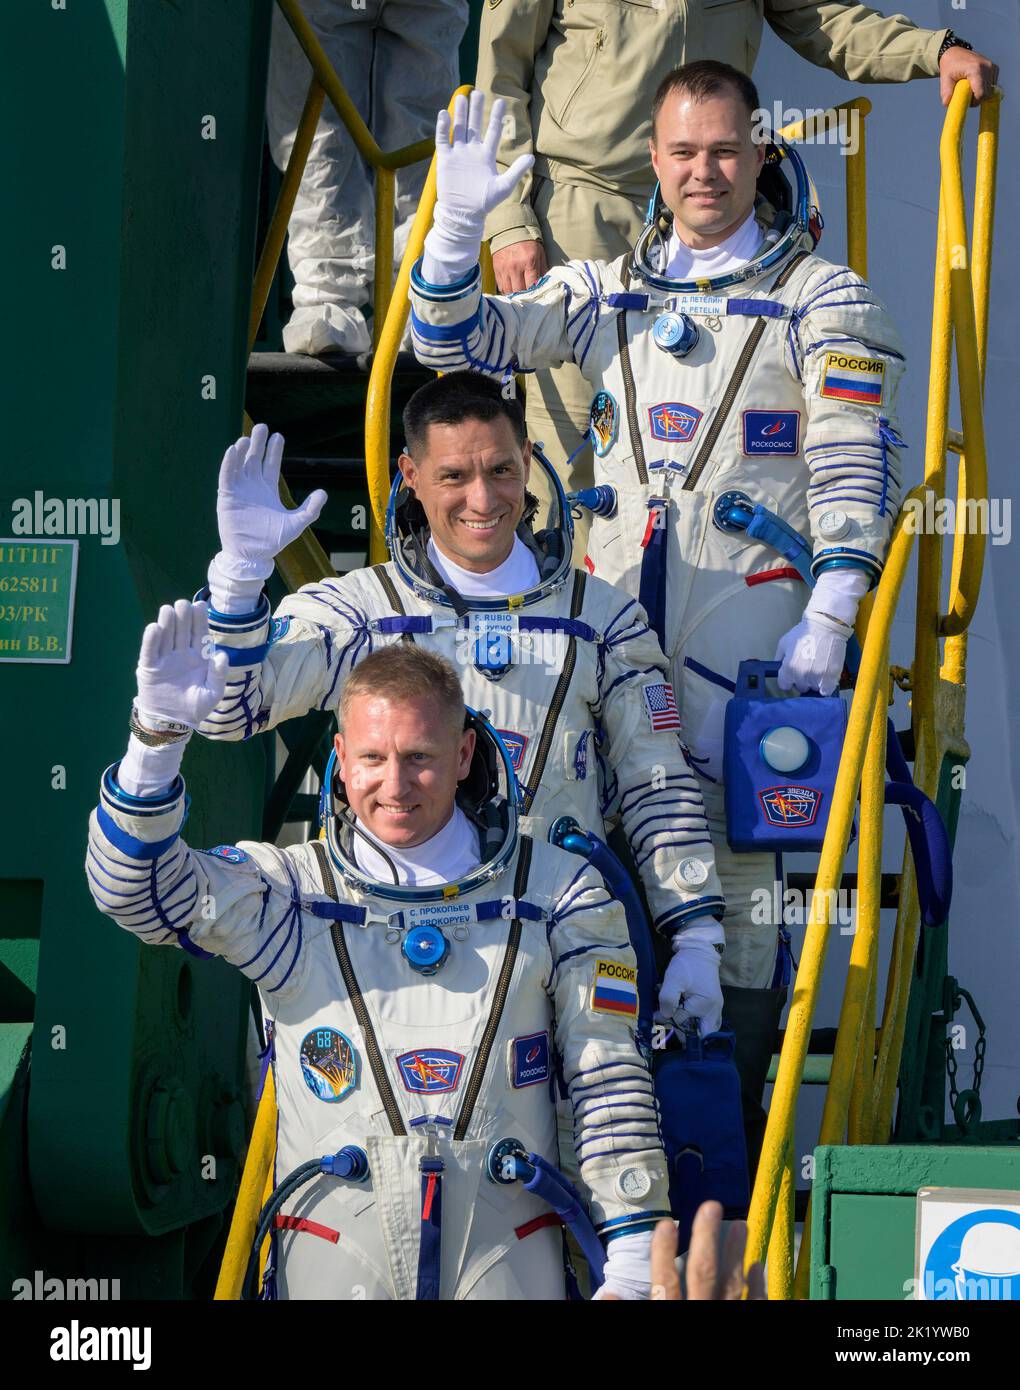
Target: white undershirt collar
<point>451,854</point>
<point>515,575</point>
<point>686,263</point>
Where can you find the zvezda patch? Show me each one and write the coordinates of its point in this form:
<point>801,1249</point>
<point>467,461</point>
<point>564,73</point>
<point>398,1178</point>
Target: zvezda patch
<point>430,1069</point>
<point>515,745</point>
<point>673,421</point>
<point>790,807</point>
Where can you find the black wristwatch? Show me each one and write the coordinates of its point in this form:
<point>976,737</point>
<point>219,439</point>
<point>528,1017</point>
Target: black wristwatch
<point>951,41</point>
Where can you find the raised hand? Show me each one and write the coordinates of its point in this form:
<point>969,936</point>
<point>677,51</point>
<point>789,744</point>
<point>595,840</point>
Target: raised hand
<point>254,524</point>
<point>181,678</point>
<point>468,183</point>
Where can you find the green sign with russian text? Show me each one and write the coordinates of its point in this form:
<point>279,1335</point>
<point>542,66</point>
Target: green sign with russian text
<point>37,580</point>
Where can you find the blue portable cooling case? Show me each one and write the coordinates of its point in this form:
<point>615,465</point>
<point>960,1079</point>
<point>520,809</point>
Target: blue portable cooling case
<point>698,1090</point>
<point>766,808</point>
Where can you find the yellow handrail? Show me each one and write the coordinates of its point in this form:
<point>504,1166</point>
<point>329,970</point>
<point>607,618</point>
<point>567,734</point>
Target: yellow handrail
<point>777,1145</point>
<point>258,1169</point>
<point>861,1091</point>
<point>856,172</point>
<point>969,543</point>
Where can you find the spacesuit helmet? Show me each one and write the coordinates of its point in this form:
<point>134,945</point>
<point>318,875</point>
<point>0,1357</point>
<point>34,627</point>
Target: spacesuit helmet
<point>787,206</point>
<point>545,528</point>
<point>489,795</point>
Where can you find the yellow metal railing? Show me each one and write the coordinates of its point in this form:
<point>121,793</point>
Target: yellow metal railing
<point>861,1091</point>
<point>256,1184</point>
<point>849,118</point>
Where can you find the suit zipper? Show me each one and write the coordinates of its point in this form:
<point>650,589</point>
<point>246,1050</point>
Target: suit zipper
<point>559,695</point>
<point>499,998</point>
<point>376,1063</point>
<point>375,1057</point>
<point>629,393</point>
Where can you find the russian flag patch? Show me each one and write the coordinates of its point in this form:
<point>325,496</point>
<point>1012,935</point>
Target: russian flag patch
<point>848,378</point>
<point>614,989</point>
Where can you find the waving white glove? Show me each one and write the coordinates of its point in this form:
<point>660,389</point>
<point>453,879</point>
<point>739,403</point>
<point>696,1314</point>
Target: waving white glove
<point>253,522</point>
<point>813,652</point>
<point>179,683</point>
<point>690,987</point>
<point>468,186</point>
<point>180,678</point>
<point>628,1271</point>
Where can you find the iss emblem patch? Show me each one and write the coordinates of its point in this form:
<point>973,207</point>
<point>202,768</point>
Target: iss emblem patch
<point>529,1060</point>
<point>230,853</point>
<point>674,422</point>
<point>278,628</point>
<point>329,1064</point>
<point>430,1069</point>
<point>790,807</point>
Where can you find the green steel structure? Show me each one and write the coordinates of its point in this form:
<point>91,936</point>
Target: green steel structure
<point>121,1070</point>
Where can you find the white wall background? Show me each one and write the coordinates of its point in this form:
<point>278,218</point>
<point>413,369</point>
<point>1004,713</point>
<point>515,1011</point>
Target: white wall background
<point>903,133</point>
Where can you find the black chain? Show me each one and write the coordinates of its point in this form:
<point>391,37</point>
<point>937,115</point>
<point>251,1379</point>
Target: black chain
<point>966,1107</point>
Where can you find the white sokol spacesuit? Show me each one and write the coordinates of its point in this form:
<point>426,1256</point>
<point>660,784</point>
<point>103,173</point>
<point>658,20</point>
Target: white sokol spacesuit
<point>570,673</point>
<point>397,60</point>
<point>787,397</point>
<point>423,1074</point>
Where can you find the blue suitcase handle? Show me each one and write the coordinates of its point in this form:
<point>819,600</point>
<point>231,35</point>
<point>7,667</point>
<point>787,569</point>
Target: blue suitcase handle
<point>751,678</point>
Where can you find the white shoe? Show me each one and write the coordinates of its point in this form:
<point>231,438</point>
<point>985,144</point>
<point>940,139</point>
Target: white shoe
<point>326,328</point>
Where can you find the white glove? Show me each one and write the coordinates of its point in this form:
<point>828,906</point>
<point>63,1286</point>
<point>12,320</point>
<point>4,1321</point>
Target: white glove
<point>178,683</point>
<point>628,1271</point>
<point>814,651</point>
<point>468,186</point>
<point>690,987</point>
<point>180,678</point>
<point>254,524</point>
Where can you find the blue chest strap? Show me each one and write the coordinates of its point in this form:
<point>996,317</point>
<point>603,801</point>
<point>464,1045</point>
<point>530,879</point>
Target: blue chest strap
<point>426,626</point>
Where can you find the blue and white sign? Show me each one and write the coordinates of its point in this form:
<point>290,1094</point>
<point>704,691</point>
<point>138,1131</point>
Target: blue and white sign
<point>968,1245</point>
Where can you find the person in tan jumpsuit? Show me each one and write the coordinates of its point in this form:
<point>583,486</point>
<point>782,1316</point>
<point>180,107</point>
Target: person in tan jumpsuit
<point>578,78</point>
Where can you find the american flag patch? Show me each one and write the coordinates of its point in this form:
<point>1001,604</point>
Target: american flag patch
<point>660,702</point>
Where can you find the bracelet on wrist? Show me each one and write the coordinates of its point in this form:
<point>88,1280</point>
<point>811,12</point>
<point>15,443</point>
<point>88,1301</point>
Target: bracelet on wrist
<point>170,732</point>
<point>818,613</point>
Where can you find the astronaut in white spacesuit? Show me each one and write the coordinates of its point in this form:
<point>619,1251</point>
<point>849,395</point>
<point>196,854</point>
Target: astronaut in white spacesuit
<point>725,358</point>
<point>566,664</point>
<point>425,966</point>
<point>398,61</point>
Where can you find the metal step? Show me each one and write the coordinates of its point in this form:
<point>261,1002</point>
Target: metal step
<point>805,882</point>
<point>818,1062</point>
<point>318,403</point>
